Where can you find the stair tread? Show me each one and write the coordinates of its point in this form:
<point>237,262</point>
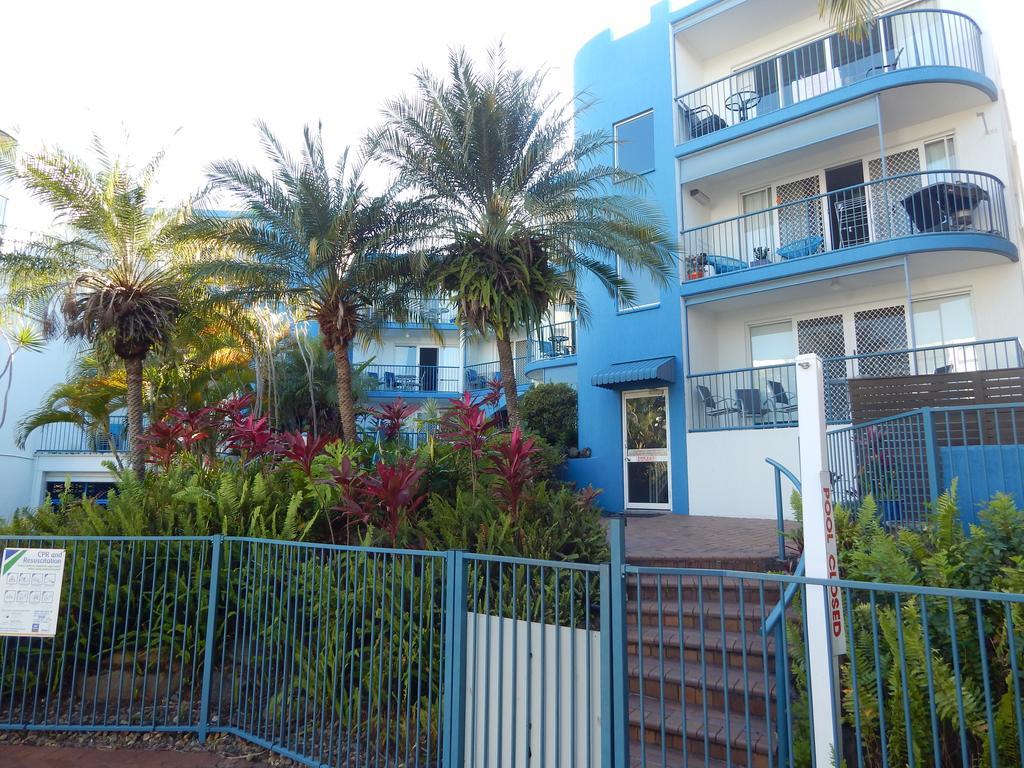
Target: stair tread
<point>652,756</point>
<point>673,671</point>
<point>670,607</point>
<point>670,715</point>
<point>712,640</point>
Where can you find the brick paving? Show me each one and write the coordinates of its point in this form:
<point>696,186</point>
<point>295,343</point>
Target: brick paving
<point>702,541</point>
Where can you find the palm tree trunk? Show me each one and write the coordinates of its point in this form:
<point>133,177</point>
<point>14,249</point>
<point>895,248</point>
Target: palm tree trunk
<point>508,380</point>
<point>133,397</point>
<point>346,398</point>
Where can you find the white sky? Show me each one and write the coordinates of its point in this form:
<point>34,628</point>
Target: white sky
<point>190,77</point>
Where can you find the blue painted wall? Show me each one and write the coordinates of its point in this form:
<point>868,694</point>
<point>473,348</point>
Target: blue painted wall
<point>627,76</point>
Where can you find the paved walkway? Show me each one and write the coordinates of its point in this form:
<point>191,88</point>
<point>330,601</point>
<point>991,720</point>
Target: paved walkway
<point>84,757</point>
<point>699,541</point>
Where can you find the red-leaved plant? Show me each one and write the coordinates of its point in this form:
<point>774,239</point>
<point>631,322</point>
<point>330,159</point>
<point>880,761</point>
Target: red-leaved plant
<point>351,506</point>
<point>467,427</point>
<point>252,438</point>
<point>394,488</point>
<point>162,442</point>
<point>391,417</point>
<point>302,449</point>
<point>512,467</point>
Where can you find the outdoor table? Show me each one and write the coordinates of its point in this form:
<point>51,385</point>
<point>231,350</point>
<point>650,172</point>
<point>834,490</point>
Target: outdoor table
<point>933,208</point>
<point>557,344</point>
<point>742,101</point>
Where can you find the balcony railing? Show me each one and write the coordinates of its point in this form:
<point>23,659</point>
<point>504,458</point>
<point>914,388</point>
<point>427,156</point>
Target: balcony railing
<point>551,342</point>
<point>894,42</point>
<point>898,206</point>
<point>72,438</point>
<point>413,378</point>
<point>765,396</point>
<point>480,375</point>
<point>432,310</point>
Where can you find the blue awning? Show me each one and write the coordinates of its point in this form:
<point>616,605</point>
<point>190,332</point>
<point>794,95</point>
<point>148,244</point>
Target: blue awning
<point>654,372</point>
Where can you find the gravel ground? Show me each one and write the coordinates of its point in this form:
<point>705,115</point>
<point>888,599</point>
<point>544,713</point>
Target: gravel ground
<point>234,752</point>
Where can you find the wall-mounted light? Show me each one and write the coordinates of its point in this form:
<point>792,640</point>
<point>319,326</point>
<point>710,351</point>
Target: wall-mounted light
<point>699,196</point>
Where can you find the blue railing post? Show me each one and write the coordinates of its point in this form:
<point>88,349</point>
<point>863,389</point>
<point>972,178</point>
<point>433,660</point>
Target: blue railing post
<point>454,726</point>
<point>929,448</point>
<point>211,626</point>
<point>608,584</point>
<point>619,689</point>
<point>779,518</point>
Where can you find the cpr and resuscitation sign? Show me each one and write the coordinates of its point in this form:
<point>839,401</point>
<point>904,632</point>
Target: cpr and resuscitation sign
<point>835,597</point>
<point>30,587</point>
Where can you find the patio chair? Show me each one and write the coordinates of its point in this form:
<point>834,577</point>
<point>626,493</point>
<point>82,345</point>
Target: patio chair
<point>944,369</point>
<point>752,405</point>
<point>390,380</point>
<point>780,402</point>
<point>805,246</point>
<point>724,264</point>
<point>879,68</point>
<point>547,349</point>
<point>701,120</point>
<point>715,408</point>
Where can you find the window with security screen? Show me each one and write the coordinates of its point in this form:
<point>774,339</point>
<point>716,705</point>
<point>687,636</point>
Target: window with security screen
<point>634,143</point>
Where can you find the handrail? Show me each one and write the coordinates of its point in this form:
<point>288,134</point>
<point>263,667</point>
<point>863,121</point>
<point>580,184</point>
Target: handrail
<point>961,47</point>
<point>871,355</point>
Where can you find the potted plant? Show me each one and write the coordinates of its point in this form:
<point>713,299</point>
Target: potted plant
<point>878,473</point>
<point>697,266</point>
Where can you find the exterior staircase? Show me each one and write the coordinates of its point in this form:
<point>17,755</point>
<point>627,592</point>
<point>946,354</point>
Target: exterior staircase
<point>701,676</point>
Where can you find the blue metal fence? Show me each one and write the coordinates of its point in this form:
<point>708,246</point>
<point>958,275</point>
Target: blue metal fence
<point>75,438</point>
<point>906,461</point>
<point>343,656</point>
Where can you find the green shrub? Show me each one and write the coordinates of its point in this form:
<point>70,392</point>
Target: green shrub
<point>550,411</point>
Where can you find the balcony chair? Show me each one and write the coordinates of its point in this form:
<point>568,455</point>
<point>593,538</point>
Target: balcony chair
<point>701,120</point>
<point>724,264</point>
<point>944,369</point>
<point>852,217</point>
<point>805,246</point>
<point>473,379</point>
<point>715,408</point>
<point>390,380</point>
<point>780,402</point>
<point>547,349</point>
<point>880,68</point>
<point>752,405</point>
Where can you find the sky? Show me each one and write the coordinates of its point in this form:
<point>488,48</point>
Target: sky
<point>190,77</point>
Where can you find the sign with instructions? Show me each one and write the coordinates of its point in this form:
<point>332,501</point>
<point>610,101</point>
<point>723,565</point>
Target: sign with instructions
<point>30,587</point>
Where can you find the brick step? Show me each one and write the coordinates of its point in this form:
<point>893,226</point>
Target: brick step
<point>754,590</point>
<point>672,680</point>
<point>685,729</point>
<point>668,643</point>
<point>668,615</point>
<point>653,756</point>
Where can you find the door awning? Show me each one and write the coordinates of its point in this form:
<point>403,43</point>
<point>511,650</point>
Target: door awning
<point>653,372</point>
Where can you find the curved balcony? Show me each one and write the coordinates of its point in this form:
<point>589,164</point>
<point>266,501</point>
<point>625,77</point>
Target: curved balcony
<point>901,48</point>
<point>896,215</point>
<point>552,346</point>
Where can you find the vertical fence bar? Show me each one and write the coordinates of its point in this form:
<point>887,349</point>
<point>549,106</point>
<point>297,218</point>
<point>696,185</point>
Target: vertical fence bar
<point>619,688</point>
<point>454,737</point>
<point>211,625</point>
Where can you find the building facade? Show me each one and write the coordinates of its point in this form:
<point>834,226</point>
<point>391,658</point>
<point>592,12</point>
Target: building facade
<point>856,198</point>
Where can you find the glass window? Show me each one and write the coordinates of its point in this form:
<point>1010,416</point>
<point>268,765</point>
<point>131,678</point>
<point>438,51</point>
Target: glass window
<point>645,287</point>
<point>634,144</point>
<point>940,155</point>
<point>406,355</point>
<point>943,321</point>
<point>771,344</point>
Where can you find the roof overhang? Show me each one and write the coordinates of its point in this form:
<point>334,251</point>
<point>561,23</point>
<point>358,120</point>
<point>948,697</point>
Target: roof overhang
<point>654,371</point>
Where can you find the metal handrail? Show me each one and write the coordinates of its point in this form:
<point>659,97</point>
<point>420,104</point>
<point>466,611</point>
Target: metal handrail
<point>961,47</point>
<point>879,210</point>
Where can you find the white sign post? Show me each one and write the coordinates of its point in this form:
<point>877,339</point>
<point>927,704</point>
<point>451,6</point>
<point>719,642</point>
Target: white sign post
<point>30,587</point>
<point>826,637</point>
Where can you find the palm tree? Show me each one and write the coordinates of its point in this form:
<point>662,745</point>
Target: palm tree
<point>314,238</point>
<point>849,17</point>
<point>113,275</point>
<point>519,208</point>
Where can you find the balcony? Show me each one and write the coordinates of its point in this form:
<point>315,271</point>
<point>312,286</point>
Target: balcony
<point>764,397</point>
<point>412,380</point>
<point>938,210</point>
<point>430,311</point>
<point>551,345</point>
<point>480,375</point>
<point>73,438</point>
<point>900,48</point>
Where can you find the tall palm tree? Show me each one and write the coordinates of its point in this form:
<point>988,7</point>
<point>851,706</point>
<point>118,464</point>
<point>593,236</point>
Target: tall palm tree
<point>850,17</point>
<point>313,237</point>
<point>519,207</point>
<point>112,275</point>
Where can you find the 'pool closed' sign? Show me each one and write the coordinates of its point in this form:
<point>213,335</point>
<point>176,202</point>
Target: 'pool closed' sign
<point>835,597</point>
<point>30,586</point>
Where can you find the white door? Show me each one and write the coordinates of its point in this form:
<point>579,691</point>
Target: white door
<point>645,430</point>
